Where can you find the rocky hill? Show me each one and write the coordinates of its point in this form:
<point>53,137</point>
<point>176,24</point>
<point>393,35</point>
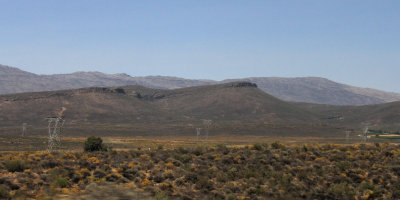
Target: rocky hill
<point>305,89</point>
<point>239,101</point>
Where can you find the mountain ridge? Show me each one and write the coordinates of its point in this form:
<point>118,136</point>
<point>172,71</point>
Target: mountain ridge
<point>299,89</point>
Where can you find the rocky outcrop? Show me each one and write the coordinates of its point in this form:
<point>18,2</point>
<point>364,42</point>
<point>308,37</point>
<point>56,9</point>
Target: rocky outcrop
<point>244,84</point>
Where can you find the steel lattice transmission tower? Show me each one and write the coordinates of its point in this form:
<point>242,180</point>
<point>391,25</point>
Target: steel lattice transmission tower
<point>347,136</point>
<point>55,130</point>
<point>207,123</point>
<point>23,129</point>
<point>198,132</point>
<point>364,135</point>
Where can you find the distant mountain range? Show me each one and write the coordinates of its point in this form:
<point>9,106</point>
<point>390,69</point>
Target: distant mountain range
<point>304,89</point>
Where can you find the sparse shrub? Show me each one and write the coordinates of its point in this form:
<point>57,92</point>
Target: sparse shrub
<point>161,196</point>
<point>98,173</point>
<point>166,186</point>
<point>227,160</point>
<point>343,165</point>
<point>341,191</point>
<point>204,183</point>
<point>191,177</point>
<point>182,150</point>
<point>85,172</point>
<point>251,191</point>
<point>179,181</point>
<point>130,173</point>
<point>76,178</point>
<point>145,182</point>
<point>267,151</point>
<point>257,147</point>
<point>251,172</point>
<point>122,180</point>
<point>305,148</point>
<point>222,148</point>
<point>16,165</point>
<point>366,186</point>
<point>277,145</point>
<point>49,163</point>
<point>158,178</point>
<point>198,151</point>
<point>169,165</point>
<point>94,143</point>
<point>222,177</point>
<point>112,178</point>
<point>93,160</point>
<point>4,194</point>
<point>184,158</point>
<point>217,195</point>
<point>396,190</point>
<point>168,175</point>
<point>135,153</point>
<point>62,182</point>
<point>230,197</point>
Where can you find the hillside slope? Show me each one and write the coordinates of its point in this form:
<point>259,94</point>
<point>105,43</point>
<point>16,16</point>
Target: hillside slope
<point>320,90</point>
<point>135,104</point>
<point>385,116</point>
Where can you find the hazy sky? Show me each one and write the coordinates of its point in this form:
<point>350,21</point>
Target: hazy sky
<point>353,42</point>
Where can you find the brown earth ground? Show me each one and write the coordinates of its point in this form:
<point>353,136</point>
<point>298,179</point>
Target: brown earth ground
<point>39,143</point>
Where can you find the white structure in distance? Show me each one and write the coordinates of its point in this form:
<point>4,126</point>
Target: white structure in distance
<point>364,135</point>
<point>24,129</point>
<point>207,123</point>
<point>55,129</point>
<point>198,132</point>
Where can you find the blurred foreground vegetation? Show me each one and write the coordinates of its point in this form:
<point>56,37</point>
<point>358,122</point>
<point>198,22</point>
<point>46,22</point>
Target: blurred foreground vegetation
<point>258,171</point>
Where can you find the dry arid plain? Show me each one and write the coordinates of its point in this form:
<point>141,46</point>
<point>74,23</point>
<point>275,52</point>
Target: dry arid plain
<point>184,167</point>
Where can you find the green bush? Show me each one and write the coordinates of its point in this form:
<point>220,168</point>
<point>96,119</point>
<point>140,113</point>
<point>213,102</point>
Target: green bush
<point>98,173</point>
<point>204,183</point>
<point>341,191</point>
<point>4,193</point>
<point>257,147</point>
<point>277,145</point>
<point>343,165</point>
<point>62,182</point>
<point>16,165</point>
<point>191,177</point>
<point>94,143</point>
